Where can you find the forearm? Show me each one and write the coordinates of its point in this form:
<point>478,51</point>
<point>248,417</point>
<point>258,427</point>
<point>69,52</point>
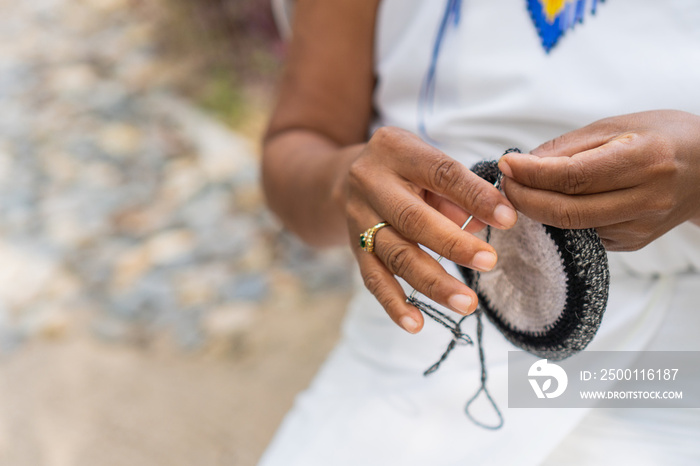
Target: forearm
<point>304,181</point>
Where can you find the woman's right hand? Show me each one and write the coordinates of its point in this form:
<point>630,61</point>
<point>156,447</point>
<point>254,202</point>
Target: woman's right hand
<point>425,196</point>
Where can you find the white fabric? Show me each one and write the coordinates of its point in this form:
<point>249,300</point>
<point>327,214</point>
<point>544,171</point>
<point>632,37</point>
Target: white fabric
<point>496,88</point>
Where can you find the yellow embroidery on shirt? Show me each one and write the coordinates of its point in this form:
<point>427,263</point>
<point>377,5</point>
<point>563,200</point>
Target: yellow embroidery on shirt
<point>552,8</point>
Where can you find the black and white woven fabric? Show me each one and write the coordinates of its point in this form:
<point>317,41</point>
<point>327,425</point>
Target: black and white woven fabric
<point>549,289</point>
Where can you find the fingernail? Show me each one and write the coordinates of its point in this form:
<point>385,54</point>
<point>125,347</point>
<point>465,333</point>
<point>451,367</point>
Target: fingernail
<point>460,303</point>
<point>484,261</point>
<point>505,215</point>
<point>505,168</point>
<point>408,324</point>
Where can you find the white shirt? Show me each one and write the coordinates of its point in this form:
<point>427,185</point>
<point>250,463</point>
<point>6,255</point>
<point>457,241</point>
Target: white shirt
<point>497,88</point>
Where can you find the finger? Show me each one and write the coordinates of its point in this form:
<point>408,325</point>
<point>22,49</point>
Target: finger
<point>417,222</point>
<point>423,273</point>
<point>617,164</point>
<point>454,212</point>
<point>433,170</point>
<point>388,292</point>
<point>574,212</point>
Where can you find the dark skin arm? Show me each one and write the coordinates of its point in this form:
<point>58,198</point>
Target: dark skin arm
<point>328,183</point>
<point>320,122</point>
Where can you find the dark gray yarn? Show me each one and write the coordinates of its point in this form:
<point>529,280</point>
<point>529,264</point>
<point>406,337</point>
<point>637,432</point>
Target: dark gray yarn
<point>482,387</point>
<point>443,319</point>
<point>460,337</point>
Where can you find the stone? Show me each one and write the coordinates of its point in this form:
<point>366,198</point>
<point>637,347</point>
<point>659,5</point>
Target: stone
<point>6,165</point>
<point>77,78</point>
<point>170,246</point>
<point>253,287</point>
<point>208,210</point>
<point>119,139</point>
<point>257,257</point>
<point>66,230</point>
<point>130,266</point>
<point>24,274</point>
<point>143,220</point>
<point>47,320</point>
<point>194,288</point>
<point>101,175</point>
<point>64,286</point>
<point>183,179</point>
<point>61,167</point>
<point>249,198</point>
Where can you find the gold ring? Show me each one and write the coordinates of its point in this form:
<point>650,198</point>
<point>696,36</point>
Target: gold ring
<point>367,238</point>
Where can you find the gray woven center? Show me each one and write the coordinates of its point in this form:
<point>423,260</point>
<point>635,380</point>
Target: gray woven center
<point>527,288</point>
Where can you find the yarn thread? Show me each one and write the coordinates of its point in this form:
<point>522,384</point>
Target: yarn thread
<point>459,337</point>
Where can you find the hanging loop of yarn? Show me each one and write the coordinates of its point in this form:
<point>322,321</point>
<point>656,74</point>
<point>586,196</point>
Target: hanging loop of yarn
<point>482,386</point>
<point>458,336</point>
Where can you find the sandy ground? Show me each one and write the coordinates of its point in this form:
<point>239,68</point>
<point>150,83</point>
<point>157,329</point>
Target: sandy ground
<point>151,310</point>
<point>80,402</point>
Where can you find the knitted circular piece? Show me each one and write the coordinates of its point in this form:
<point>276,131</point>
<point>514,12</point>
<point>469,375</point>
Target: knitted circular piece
<point>549,289</point>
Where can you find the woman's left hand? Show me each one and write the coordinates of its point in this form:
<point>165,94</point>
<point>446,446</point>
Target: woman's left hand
<point>632,177</point>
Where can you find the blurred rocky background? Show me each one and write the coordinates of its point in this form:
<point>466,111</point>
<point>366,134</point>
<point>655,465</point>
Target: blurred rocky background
<point>152,312</point>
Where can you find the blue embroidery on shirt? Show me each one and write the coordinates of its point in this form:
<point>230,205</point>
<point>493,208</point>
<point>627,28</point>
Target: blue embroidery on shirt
<point>553,18</point>
<point>427,91</point>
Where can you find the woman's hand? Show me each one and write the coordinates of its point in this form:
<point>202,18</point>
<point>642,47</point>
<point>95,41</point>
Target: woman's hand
<point>316,158</point>
<point>425,196</point>
<point>632,177</point>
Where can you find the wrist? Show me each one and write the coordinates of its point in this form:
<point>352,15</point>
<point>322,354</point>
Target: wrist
<point>339,185</point>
